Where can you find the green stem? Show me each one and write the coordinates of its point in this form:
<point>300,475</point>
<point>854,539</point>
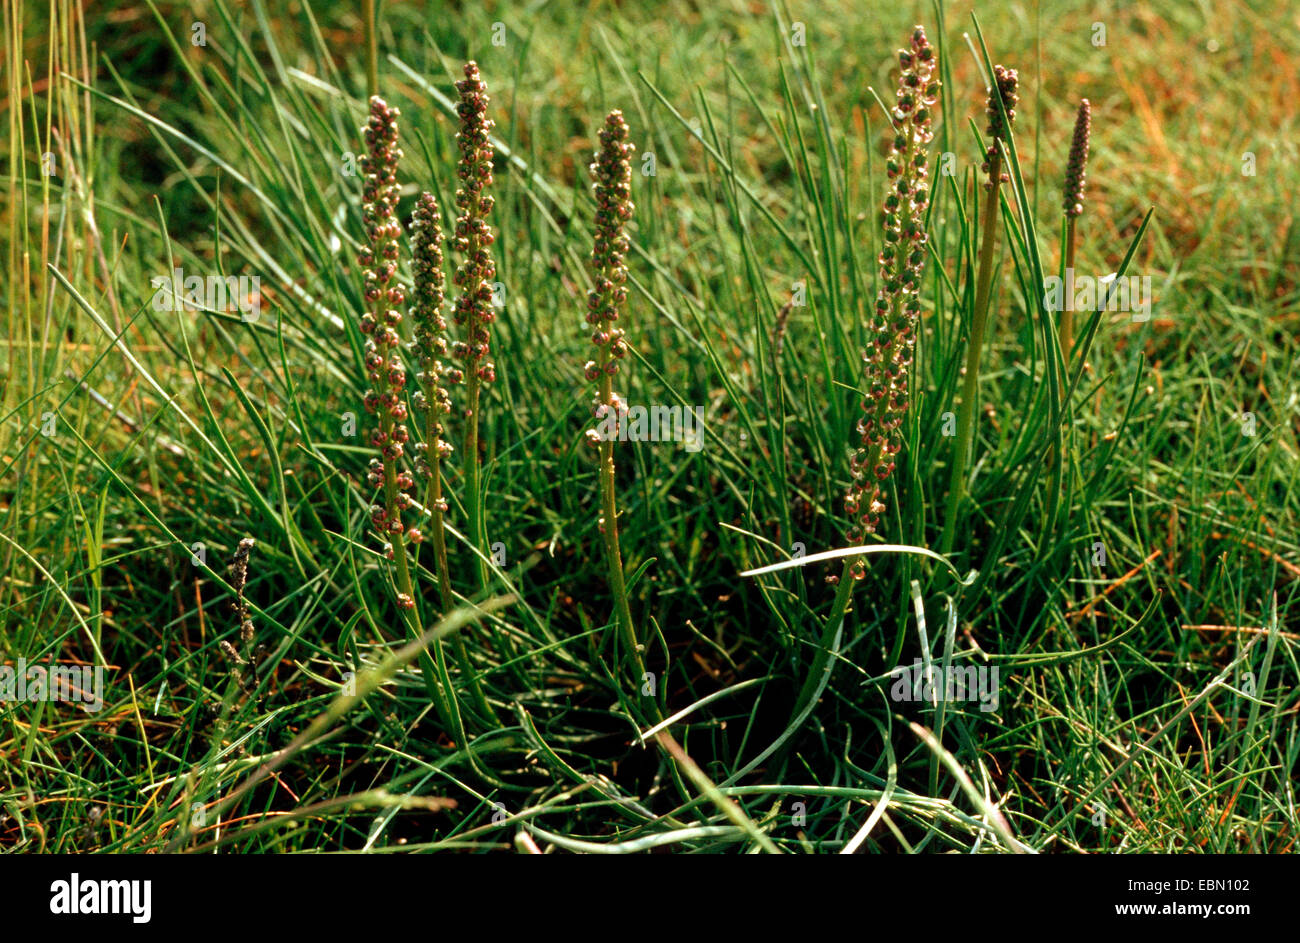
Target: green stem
<point>970,385</point>
<point>613,555</point>
<point>402,577</point>
<point>372,46</point>
<point>1067,313</point>
<point>433,673</point>
<point>473,472</point>
<point>433,501</point>
<point>411,617</point>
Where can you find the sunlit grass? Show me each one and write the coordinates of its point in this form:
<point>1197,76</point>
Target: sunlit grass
<point>1138,596</point>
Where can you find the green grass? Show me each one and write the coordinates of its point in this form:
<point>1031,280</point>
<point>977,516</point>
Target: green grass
<point>1139,597</point>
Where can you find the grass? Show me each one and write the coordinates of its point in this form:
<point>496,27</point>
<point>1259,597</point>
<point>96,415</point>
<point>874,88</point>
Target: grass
<point>1139,597</point>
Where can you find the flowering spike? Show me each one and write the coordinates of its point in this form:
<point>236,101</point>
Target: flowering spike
<point>238,580</point>
<point>1001,105</point>
<point>472,235</point>
<point>472,239</point>
<point>612,172</point>
<point>1075,175</point>
<point>384,367</point>
<point>1004,87</point>
<point>430,344</point>
<point>893,323</point>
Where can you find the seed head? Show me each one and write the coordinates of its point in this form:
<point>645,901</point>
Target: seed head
<point>1075,171</point>
<point>238,580</point>
<point>430,344</point>
<point>1004,87</point>
<point>888,357</point>
<point>612,172</point>
<point>472,235</point>
<point>384,295</point>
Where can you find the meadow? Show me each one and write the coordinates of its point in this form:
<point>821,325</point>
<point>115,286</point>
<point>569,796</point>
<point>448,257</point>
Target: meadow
<point>1024,579</point>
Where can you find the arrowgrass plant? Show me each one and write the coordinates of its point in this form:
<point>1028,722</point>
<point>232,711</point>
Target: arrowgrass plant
<point>384,367</point>
<point>612,184</point>
<point>897,310</point>
<point>238,580</point>
<point>245,661</point>
<point>895,315</point>
<point>472,239</point>
<point>1001,112</point>
<point>1072,206</point>
<point>432,401</point>
<point>386,398</point>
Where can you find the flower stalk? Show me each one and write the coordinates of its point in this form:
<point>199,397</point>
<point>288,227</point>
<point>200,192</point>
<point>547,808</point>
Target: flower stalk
<point>1072,205</point>
<point>893,325</point>
<point>385,370</point>
<point>472,240</point>
<point>243,666</point>
<point>429,348</point>
<point>612,172</point>
<point>1002,91</point>
<point>888,358</point>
